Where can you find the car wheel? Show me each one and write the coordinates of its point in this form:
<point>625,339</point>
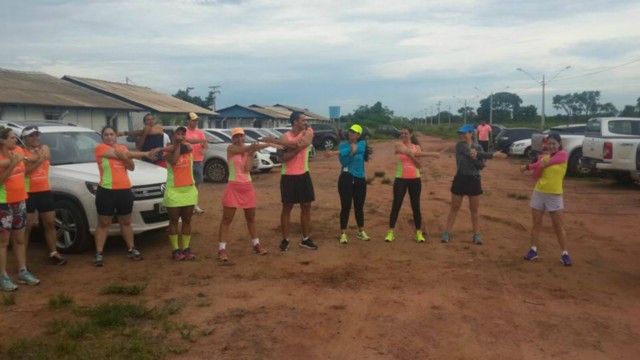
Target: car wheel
<point>328,143</point>
<point>527,152</point>
<point>623,178</point>
<point>574,167</point>
<point>72,229</point>
<point>216,170</point>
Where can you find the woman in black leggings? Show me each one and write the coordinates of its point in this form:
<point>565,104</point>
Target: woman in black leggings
<point>408,152</point>
<point>352,185</point>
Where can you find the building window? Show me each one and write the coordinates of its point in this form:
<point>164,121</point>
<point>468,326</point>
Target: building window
<point>52,115</point>
<point>112,120</point>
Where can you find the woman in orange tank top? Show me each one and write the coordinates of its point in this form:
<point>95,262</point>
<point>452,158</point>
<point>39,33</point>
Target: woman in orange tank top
<point>39,190</point>
<point>239,193</point>
<point>13,194</point>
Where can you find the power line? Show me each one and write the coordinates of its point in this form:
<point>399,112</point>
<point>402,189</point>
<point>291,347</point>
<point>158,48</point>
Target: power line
<point>598,71</point>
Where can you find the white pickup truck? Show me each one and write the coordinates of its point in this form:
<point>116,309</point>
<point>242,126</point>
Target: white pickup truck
<point>572,137</point>
<point>612,145</point>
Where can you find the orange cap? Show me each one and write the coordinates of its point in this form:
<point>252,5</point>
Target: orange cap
<point>237,131</point>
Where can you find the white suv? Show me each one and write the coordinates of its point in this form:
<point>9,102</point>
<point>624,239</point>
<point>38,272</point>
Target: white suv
<point>74,179</point>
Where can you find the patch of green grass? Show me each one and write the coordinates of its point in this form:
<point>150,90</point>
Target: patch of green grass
<point>60,301</point>
<point>518,196</point>
<point>386,181</point>
<point>110,331</point>
<point>9,299</point>
<point>121,289</point>
<point>379,174</point>
<point>370,180</point>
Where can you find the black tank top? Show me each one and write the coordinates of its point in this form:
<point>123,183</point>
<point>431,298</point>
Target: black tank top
<point>151,142</point>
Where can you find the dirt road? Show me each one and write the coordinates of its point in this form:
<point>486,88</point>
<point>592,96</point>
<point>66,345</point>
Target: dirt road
<point>376,300</point>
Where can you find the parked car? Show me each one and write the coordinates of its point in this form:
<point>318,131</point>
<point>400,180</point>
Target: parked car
<point>325,136</point>
<point>507,136</point>
<point>520,148</point>
<point>496,130</point>
<point>572,137</point>
<point>388,130</point>
<point>74,180</point>
<point>262,160</point>
<point>612,145</point>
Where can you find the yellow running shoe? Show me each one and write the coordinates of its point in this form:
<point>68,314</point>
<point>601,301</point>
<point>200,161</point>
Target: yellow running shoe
<point>390,237</point>
<point>420,236</point>
<point>343,239</point>
<point>363,236</point>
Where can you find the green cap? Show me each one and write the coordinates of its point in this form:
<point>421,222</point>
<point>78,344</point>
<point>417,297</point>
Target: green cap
<point>356,128</point>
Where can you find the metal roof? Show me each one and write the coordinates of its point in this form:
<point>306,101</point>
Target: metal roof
<point>140,96</point>
<point>36,88</point>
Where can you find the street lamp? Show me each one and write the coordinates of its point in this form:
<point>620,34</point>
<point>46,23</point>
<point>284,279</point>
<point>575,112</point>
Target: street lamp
<point>464,101</point>
<point>543,83</point>
<point>490,102</point>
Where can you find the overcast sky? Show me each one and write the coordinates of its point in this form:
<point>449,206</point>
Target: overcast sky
<point>409,54</point>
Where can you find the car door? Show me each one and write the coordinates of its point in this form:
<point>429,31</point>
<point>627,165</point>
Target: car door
<point>593,142</point>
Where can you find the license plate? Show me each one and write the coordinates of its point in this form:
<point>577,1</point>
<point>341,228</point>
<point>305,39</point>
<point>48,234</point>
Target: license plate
<point>162,209</point>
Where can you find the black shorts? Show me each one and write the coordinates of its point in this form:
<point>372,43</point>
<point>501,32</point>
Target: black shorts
<point>466,185</point>
<point>41,202</point>
<point>484,144</point>
<point>114,202</point>
<point>296,189</point>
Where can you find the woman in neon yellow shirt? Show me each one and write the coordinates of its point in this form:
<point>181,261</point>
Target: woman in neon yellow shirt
<point>549,172</point>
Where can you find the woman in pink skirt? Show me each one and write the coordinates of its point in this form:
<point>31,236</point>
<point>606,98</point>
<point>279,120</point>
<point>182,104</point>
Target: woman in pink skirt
<point>239,193</point>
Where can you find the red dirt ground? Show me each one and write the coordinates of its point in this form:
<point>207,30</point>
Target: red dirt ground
<point>377,300</point>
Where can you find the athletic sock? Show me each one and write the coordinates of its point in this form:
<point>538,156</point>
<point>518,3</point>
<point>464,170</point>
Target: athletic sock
<point>173,239</point>
<point>186,240</point>
<point>565,252</point>
<point>255,241</point>
<point>24,268</point>
<point>222,246</point>
<point>53,253</point>
<point>534,248</point>
<point>305,238</point>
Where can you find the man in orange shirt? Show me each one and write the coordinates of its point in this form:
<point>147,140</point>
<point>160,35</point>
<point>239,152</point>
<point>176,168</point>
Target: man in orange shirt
<point>196,138</point>
<point>484,135</point>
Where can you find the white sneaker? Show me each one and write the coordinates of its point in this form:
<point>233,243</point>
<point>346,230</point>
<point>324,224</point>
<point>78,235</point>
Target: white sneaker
<point>197,210</point>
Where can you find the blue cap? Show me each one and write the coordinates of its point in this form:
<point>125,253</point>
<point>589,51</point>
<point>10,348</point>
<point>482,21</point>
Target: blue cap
<point>466,129</point>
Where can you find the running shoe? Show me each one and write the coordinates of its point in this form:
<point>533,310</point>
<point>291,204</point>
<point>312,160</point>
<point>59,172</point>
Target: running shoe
<point>188,255</point>
<point>57,259</point>
<point>177,255</point>
<point>284,245</point>
<point>99,261</point>
<point>135,254</point>
<point>222,255</point>
<point>308,244</point>
<point>420,236</point>
<point>532,255</point>
<point>477,239</point>
<point>197,210</point>
<point>566,260</point>
<point>363,236</point>
<point>343,239</point>
<point>26,277</point>
<point>6,284</point>
<point>444,238</point>
<point>258,249</point>
<point>390,237</point>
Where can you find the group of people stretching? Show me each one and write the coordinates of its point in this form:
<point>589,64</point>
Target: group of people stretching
<point>25,189</point>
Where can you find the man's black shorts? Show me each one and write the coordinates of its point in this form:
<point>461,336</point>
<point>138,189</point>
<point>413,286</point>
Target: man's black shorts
<point>114,202</point>
<point>41,201</point>
<point>296,189</point>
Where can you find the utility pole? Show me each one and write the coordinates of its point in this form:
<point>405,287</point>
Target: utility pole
<point>439,102</point>
<point>449,115</point>
<point>214,90</point>
<point>544,84</point>
<point>465,111</point>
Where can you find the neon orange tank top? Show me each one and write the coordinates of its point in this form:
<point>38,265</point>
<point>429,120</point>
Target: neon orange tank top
<point>181,173</point>
<point>38,179</point>
<point>406,168</point>
<point>299,164</point>
<point>236,168</point>
<point>113,173</point>
<point>13,189</point>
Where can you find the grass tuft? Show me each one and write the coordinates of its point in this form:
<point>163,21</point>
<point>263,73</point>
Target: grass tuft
<point>9,299</point>
<point>518,196</point>
<point>120,289</point>
<point>370,180</point>
<point>379,174</point>
<point>60,301</point>
<point>386,181</point>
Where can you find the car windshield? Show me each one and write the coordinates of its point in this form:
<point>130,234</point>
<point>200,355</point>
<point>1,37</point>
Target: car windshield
<point>71,147</point>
